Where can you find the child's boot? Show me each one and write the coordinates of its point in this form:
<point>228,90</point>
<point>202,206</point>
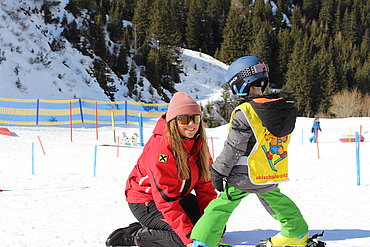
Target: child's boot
<point>280,240</point>
<point>197,243</point>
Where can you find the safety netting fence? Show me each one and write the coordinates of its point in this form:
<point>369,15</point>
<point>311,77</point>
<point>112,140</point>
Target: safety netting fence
<point>77,112</point>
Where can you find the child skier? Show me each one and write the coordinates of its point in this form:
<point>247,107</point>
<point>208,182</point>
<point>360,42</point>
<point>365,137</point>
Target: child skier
<point>254,159</point>
<point>315,128</point>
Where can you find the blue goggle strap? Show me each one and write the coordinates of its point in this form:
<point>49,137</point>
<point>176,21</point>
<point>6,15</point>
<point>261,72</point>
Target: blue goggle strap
<point>240,91</point>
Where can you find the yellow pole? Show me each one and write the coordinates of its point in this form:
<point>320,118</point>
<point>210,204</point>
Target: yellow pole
<point>350,134</point>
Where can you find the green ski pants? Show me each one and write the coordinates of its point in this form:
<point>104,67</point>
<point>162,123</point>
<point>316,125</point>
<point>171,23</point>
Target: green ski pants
<point>211,225</point>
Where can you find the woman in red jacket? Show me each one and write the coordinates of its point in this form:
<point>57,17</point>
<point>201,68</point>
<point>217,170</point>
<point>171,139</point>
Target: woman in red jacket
<point>174,162</point>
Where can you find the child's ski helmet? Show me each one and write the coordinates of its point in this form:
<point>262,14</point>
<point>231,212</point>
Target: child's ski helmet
<point>246,71</point>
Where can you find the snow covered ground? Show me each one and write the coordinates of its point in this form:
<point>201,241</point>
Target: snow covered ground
<point>63,204</point>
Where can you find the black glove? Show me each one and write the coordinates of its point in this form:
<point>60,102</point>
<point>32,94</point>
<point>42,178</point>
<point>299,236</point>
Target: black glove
<point>217,180</point>
<point>123,236</point>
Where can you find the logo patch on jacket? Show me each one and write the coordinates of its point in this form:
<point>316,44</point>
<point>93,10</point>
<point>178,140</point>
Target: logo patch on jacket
<point>163,158</point>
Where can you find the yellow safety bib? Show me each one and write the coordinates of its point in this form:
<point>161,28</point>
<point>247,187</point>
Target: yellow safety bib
<point>268,160</point>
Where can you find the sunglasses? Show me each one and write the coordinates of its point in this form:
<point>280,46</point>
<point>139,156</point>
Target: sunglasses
<point>185,119</point>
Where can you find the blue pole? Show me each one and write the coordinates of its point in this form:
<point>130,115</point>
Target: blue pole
<point>358,158</point>
<point>141,130</point>
<point>302,137</point>
<point>33,158</point>
<point>37,111</point>
<point>96,149</point>
<point>126,113</point>
<point>81,112</point>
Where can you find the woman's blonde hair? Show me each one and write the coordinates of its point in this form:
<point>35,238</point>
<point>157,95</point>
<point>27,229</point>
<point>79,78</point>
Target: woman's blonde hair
<point>176,144</point>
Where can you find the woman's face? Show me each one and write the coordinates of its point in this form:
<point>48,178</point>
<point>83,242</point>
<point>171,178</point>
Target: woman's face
<point>189,127</point>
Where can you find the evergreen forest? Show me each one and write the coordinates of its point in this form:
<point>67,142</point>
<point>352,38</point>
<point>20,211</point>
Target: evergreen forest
<point>315,49</point>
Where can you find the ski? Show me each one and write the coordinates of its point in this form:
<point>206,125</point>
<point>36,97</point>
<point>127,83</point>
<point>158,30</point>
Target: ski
<point>236,245</point>
<point>312,242</point>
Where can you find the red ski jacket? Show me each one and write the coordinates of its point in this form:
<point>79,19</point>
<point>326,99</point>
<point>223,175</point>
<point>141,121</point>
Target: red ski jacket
<point>155,178</point>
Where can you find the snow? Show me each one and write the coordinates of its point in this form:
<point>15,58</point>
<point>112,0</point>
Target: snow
<point>63,204</point>
<point>29,68</point>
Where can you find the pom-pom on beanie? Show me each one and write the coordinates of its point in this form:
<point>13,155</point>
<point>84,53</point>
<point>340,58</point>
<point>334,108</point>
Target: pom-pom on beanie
<point>182,104</point>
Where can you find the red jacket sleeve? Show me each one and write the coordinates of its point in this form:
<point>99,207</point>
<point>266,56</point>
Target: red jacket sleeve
<point>205,194</point>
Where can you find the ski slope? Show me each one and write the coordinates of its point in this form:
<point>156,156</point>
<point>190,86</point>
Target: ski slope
<point>63,204</point>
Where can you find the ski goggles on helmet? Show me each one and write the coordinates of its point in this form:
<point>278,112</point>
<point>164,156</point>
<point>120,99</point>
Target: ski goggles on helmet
<point>255,69</point>
<point>185,119</point>
<point>256,75</point>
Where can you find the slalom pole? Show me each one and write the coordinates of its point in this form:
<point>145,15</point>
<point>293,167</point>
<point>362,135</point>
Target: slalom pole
<point>350,134</point>
<point>358,158</point>
<point>317,142</point>
<point>96,120</point>
<point>96,149</point>
<point>213,153</point>
<point>360,135</point>
<point>33,159</point>
<point>141,129</point>
<point>70,118</point>
<point>302,137</point>
<point>42,147</point>
<point>117,146</point>
<point>113,126</point>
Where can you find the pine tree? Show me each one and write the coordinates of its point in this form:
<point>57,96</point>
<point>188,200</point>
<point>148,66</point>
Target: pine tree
<point>121,67</point>
<point>228,102</point>
<point>362,76</point>
<point>263,46</point>
<point>153,69</point>
<point>141,22</point>
<point>330,89</point>
<point>101,74</point>
<point>297,78</point>
<point>283,6</point>
<point>326,15</point>
<point>310,9</point>
<point>351,26</point>
<point>237,37</point>
<point>132,81</point>
<point>165,38</point>
<point>214,24</point>
<point>164,23</point>
<point>296,21</point>
<point>337,25</point>
<point>209,117</point>
<point>71,33</point>
<point>193,25</point>
<point>284,51</point>
<point>114,25</point>
<point>97,40</point>
<point>127,9</point>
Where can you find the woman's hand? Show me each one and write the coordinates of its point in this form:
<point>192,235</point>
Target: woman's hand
<point>189,245</point>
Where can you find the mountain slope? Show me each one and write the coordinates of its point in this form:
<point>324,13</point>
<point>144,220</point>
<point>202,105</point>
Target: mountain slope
<point>36,61</point>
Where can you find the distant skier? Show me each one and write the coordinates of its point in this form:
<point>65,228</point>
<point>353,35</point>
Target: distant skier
<point>315,129</point>
<point>254,159</point>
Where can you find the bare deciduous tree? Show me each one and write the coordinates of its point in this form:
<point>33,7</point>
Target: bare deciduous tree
<point>366,106</point>
<point>347,104</point>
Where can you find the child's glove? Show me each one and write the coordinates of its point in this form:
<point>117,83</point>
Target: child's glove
<point>217,180</point>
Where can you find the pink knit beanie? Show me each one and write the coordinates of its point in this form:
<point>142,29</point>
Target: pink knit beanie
<point>182,104</point>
